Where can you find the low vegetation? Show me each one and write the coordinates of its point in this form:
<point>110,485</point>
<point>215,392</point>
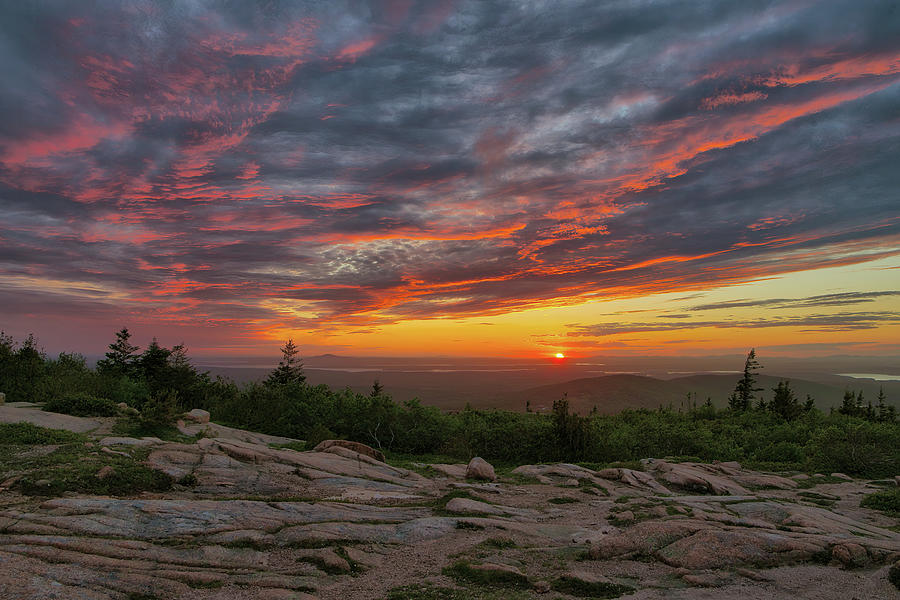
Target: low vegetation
<point>49,462</point>
<point>590,589</point>
<point>429,592</point>
<point>886,501</point>
<point>81,404</point>
<point>781,434</point>
<point>464,572</point>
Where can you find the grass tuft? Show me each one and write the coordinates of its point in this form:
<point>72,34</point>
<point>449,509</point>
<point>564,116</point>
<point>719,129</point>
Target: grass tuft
<point>562,500</point>
<point>589,589</point>
<point>463,572</point>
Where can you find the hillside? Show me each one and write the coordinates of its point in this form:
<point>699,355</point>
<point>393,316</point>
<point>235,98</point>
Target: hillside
<point>220,513</point>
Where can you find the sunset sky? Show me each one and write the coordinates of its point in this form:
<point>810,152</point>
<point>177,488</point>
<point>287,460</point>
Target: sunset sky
<point>404,177</point>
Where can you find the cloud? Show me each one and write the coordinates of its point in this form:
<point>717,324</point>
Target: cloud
<point>329,165</point>
<point>808,302</point>
<point>812,322</point>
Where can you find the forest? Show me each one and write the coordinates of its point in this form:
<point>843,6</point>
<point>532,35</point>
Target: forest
<point>160,383</point>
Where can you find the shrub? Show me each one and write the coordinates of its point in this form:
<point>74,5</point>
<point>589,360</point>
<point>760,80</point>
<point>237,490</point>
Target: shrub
<point>462,571</point>
<point>589,589</point>
<point>857,447</point>
<point>784,452</point>
<point>27,434</point>
<point>82,405</point>
<point>886,501</point>
<point>894,575</point>
<point>160,410</point>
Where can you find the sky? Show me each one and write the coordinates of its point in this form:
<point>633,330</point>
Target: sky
<point>402,177</point>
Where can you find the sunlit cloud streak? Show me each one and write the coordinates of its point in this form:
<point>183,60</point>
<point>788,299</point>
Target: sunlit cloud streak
<point>815,322</point>
<point>337,166</point>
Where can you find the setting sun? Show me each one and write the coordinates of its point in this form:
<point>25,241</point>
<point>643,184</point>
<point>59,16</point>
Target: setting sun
<point>560,355</point>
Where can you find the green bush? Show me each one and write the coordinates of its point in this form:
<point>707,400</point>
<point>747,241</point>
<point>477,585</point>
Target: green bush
<point>82,405</point>
<point>72,471</point>
<point>854,446</point>
<point>886,501</point>
<point>26,434</point>
<point>894,575</point>
<point>781,452</point>
<point>463,572</point>
<point>589,589</point>
<point>161,410</point>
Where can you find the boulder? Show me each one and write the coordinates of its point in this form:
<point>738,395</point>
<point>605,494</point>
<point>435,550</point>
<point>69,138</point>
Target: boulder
<point>479,468</point>
<point>125,409</point>
<point>355,446</point>
<point>105,472</point>
<point>197,415</point>
<point>130,441</point>
<point>842,476</point>
<point>469,506</point>
<point>698,477</point>
<point>457,471</point>
<point>2,398</point>
<point>850,555</point>
<point>626,516</point>
<point>716,549</point>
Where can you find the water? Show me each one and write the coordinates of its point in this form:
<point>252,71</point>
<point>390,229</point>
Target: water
<point>875,376</point>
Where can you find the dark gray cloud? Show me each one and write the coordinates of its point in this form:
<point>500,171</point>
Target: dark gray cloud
<point>388,160</point>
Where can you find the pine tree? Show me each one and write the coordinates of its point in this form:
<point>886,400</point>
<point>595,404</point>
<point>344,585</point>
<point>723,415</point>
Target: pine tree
<point>30,364</point>
<point>784,403</point>
<point>290,368</point>
<point>848,404</point>
<point>886,412</point>
<point>745,390</point>
<point>377,389</point>
<point>809,404</point>
<point>120,360</point>
<point>153,365</point>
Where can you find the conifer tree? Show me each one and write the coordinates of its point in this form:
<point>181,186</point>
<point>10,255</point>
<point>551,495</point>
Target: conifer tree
<point>120,359</point>
<point>784,403</point>
<point>848,404</point>
<point>886,413</point>
<point>742,397</point>
<point>290,368</point>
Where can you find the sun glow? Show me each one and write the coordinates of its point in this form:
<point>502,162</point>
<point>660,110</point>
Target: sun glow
<point>560,355</point>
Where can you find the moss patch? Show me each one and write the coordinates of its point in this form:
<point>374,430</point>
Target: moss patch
<point>589,589</point>
<point>72,466</point>
<point>428,592</point>
<point>562,500</point>
<point>463,572</point>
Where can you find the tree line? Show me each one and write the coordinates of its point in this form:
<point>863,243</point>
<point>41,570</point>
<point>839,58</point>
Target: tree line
<point>781,433</point>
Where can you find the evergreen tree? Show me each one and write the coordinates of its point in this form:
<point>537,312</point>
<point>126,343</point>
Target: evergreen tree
<point>30,363</point>
<point>744,392</point>
<point>122,355</point>
<point>377,389</point>
<point>290,369</point>
<point>886,412</point>
<point>809,404</point>
<point>571,431</point>
<point>848,404</point>
<point>153,365</point>
<point>784,403</point>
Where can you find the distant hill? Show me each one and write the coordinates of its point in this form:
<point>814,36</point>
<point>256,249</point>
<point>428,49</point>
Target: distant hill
<point>614,393</point>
